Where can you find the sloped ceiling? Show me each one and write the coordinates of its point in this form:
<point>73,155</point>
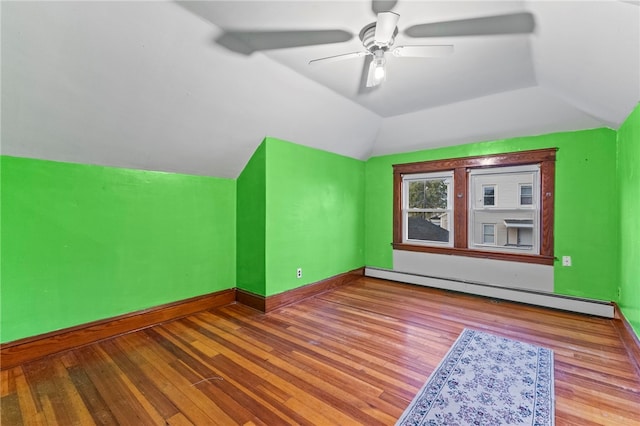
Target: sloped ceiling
<point>145,85</point>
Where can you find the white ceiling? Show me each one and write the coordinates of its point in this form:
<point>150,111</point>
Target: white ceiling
<point>145,85</point>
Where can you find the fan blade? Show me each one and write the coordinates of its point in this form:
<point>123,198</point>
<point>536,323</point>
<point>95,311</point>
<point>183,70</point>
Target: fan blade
<point>378,6</point>
<point>422,51</point>
<point>336,58</point>
<point>385,28</point>
<point>515,23</point>
<point>247,42</point>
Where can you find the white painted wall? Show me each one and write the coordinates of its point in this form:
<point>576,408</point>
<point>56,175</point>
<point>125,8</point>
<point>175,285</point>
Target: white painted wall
<point>585,306</point>
<point>515,275</point>
<point>142,85</point>
<point>587,53</point>
<point>528,111</point>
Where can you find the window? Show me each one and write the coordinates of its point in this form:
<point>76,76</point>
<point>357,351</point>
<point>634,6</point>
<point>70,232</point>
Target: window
<point>501,206</point>
<point>488,233</point>
<point>489,197</point>
<point>526,195</point>
<point>427,209</point>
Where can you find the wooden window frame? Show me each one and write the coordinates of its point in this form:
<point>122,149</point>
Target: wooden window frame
<point>545,158</point>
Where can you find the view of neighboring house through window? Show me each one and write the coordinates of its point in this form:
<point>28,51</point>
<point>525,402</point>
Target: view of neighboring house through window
<point>515,223</point>
<point>427,208</point>
<point>495,206</point>
<point>519,233</point>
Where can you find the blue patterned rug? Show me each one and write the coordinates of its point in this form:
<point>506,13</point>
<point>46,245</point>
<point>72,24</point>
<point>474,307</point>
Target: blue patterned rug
<point>487,380</point>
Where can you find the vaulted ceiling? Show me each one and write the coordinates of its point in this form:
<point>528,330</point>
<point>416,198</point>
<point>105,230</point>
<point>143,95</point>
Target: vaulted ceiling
<point>150,85</point>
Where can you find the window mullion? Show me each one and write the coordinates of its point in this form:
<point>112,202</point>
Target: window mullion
<point>460,197</point>
<point>547,194</point>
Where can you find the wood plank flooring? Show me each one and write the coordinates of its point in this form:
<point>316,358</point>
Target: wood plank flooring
<point>355,355</point>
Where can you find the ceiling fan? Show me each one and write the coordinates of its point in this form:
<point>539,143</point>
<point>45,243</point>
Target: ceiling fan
<point>378,38</point>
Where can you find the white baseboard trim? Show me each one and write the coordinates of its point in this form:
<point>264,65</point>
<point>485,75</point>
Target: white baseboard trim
<point>567,303</point>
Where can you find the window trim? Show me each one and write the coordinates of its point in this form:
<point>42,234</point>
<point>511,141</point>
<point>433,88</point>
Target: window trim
<point>544,157</point>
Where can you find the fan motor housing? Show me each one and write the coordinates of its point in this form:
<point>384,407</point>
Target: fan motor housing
<point>367,36</point>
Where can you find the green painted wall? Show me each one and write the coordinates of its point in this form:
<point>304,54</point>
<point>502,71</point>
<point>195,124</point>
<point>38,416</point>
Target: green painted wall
<point>629,188</point>
<point>82,243</point>
<point>251,217</point>
<point>314,221</point>
<point>586,219</point>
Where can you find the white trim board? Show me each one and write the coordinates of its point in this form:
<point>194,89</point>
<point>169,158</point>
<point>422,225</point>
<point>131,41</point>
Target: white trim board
<point>549,300</point>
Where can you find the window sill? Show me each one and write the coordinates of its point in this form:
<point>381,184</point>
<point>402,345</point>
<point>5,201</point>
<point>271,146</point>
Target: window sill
<point>512,257</point>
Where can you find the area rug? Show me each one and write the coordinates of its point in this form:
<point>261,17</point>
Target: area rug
<point>487,380</point>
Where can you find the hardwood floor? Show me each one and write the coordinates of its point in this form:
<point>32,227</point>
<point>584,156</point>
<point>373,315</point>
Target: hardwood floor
<point>355,355</point>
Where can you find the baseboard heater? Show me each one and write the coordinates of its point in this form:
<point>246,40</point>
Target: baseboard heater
<point>549,300</point>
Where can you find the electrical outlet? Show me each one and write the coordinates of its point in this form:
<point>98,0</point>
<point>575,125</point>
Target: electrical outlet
<point>299,273</point>
<point>566,260</point>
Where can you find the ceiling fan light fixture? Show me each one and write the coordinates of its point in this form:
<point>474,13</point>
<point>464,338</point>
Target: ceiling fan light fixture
<point>377,69</point>
<point>379,72</point>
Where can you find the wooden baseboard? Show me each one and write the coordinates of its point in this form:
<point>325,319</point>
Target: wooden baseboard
<point>267,304</point>
<point>251,300</point>
<point>31,348</point>
<point>629,338</point>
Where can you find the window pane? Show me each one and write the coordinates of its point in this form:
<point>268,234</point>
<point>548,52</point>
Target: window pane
<point>512,229</point>
<point>431,226</point>
<point>489,196</point>
<point>505,225</point>
<point>416,194</point>
<point>428,194</point>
